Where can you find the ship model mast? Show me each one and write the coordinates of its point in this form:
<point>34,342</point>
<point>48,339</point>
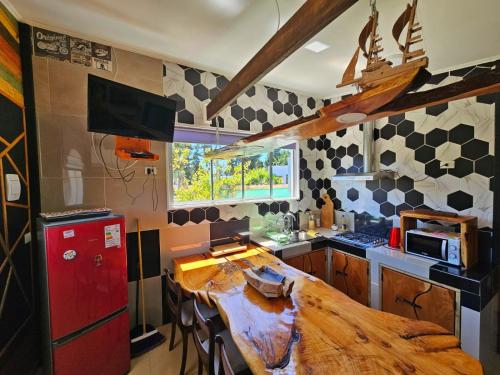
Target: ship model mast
<point>378,70</point>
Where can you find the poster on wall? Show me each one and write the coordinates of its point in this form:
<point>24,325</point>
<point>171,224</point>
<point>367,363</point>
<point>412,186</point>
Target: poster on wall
<point>101,57</point>
<point>81,51</point>
<point>51,44</point>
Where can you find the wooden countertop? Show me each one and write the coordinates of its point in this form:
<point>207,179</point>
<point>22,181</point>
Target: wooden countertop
<point>318,330</point>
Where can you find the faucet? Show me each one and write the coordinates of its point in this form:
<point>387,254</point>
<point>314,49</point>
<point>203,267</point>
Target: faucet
<point>288,219</point>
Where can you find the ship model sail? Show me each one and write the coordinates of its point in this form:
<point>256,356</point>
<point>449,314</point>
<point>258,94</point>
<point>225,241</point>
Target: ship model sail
<point>378,70</point>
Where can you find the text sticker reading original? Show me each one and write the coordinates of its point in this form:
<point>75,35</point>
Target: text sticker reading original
<point>69,233</point>
<point>112,235</point>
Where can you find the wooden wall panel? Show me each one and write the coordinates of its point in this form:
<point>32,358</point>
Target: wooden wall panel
<point>10,63</point>
<point>16,261</point>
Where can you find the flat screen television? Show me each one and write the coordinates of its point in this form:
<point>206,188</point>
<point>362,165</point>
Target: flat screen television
<point>114,108</point>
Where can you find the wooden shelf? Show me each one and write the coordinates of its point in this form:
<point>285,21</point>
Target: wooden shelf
<point>467,224</point>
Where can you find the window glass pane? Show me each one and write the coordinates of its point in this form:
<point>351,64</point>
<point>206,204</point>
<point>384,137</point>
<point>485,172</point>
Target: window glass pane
<point>198,181</point>
<point>282,173</point>
<point>257,182</point>
<point>227,179</point>
<point>190,172</point>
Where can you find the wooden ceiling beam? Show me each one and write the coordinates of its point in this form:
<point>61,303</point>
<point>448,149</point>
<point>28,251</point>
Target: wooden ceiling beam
<point>481,84</point>
<point>325,121</point>
<point>311,18</point>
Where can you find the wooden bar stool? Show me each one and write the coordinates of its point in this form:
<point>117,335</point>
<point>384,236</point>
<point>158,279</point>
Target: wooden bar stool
<point>180,309</point>
<point>231,361</point>
<point>205,331</point>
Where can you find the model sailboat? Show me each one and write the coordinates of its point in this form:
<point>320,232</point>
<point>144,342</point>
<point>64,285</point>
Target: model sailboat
<point>382,90</point>
<point>378,70</point>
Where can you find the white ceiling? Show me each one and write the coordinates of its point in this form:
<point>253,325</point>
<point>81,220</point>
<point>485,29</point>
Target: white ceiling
<point>222,35</point>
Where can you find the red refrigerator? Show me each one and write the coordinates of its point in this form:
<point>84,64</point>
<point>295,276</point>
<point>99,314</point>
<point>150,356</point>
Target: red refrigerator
<point>84,298</point>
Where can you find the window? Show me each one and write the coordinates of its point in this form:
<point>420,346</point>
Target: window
<point>196,181</point>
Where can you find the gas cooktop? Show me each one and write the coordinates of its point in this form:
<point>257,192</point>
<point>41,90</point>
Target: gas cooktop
<point>361,240</point>
<point>369,231</point>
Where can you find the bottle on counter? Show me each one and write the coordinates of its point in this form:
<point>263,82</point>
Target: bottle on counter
<point>312,222</point>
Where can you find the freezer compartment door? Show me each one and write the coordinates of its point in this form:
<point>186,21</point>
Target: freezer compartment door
<point>103,351</point>
<point>87,273</point>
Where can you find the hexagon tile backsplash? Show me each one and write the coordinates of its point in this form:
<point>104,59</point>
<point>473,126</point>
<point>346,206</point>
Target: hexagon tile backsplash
<point>443,155</point>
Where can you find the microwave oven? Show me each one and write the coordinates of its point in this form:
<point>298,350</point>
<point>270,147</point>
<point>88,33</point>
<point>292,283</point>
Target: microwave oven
<point>436,245</point>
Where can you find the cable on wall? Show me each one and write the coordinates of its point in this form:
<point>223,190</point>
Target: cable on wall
<point>125,177</point>
<point>154,194</point>
<point>279,15</point>
<point>101,160</point>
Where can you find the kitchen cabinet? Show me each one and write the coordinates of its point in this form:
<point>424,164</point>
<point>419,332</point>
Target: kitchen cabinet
<point>296,262</point>
<point>350,276</point>
<point>414,298</point>
<point>313,263</point>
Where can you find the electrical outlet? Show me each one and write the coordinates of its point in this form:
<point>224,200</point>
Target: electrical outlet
<point>150,170</point>
<point>447,164</point>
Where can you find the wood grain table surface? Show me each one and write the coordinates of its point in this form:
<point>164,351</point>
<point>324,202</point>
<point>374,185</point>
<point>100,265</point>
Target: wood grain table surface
<point>317,330</point>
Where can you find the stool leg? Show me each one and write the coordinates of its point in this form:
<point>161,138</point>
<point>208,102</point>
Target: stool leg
<point>172,335</point>
<point>200,366</point>
<point>184,350</point>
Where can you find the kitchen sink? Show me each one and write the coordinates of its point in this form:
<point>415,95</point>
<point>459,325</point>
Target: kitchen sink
<point>279,242</point>
<point>280,237</point>
<point>284,239</point>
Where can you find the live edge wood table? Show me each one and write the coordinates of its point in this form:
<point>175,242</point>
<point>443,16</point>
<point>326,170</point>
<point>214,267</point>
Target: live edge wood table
<point>317,330</point>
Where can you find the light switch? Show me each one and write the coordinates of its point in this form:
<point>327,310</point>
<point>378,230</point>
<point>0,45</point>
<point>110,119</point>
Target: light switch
<point>13,187</point>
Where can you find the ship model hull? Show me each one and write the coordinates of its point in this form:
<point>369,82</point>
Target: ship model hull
<point>325,121</point>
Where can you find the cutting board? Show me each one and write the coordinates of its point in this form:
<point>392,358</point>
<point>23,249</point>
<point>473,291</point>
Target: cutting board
<point>327,212</point>
<point>228,248</point>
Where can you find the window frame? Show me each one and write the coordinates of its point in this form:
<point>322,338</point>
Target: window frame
<point>294,180</point>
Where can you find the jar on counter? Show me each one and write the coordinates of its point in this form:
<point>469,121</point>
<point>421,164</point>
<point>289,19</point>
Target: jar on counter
<point>312,222</point>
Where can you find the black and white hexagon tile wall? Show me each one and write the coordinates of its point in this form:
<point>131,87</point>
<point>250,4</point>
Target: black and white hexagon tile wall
<point>418,145</point>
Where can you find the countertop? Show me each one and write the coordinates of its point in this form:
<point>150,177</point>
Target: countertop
<point>477,284</point>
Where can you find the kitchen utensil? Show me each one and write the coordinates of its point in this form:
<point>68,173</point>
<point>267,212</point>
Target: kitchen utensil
<point>395,238</point>
<point>294,236</point>
<point>327,216</point>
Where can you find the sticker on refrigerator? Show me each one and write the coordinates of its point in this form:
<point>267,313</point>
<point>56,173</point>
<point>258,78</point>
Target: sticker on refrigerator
<point>112,236</point>
<point>69,233</point>
<point>69,255</point>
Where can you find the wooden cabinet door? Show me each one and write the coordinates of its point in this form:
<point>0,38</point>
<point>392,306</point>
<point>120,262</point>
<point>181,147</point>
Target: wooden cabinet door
<point>417,299</point>
<point>339,271</point>
<point>296,262</point>
<point>350,276</point>
<point>315,264</point>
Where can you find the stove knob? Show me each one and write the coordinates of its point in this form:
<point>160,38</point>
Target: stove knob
<point>453,256</point>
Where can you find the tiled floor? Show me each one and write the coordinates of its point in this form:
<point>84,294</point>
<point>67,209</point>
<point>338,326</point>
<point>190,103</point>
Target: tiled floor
<point>160,361</point>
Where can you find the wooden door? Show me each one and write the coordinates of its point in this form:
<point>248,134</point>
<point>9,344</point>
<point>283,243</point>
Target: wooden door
<point>296,262</point>
<point>417,299</point>
<point>350,276</point>
<point>315,264</point>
